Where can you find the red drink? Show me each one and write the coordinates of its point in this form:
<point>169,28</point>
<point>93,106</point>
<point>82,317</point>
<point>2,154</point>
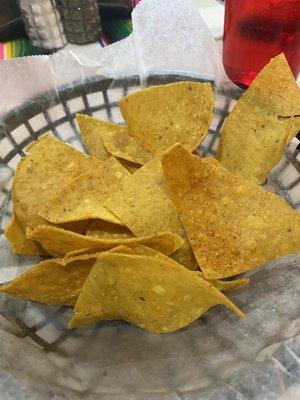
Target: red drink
<point>257,30</point>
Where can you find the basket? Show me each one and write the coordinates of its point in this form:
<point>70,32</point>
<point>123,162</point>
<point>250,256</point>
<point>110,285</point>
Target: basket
<point>45,325</point>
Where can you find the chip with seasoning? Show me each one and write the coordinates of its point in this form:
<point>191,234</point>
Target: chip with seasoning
<point>82,197</point>
<point>60,241</point>
<point>160,116</point>
<point>223,286</point>
<point>55,281</point>
<point>18,241</point>
<point>144,206</point>
<point>40,174</point>
<point>262,122</point>
<point>232,225</point>
<point>152,294</point>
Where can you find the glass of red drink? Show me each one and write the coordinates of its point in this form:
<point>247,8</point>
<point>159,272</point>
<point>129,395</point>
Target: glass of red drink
<point>257,30</point>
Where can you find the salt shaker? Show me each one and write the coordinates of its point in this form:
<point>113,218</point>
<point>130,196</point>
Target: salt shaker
<point>43,23</point>
<point>81,20</point>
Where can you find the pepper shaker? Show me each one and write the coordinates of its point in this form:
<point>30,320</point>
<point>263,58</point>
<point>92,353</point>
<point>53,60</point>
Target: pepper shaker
<point>81,20</point>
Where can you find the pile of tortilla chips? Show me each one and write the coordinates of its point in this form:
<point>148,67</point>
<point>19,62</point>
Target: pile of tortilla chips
<point>143,230</point>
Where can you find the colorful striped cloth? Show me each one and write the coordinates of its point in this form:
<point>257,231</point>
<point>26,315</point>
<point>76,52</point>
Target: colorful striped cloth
<point>112,32</point>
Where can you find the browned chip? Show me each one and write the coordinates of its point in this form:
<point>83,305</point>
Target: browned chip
<point>163,115</point>
<point>232,225</point>
<point>130,166</point>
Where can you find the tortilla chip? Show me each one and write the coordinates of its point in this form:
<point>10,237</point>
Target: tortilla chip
<point>130,166</point>
<point>152,294</point>
<point>163,115</point>
<point>120,144</point>
<point>275,88</point>
<point>253,136</point>
<point>51,283</point>
<point>232,225</point>
<point>82,197</point>
<point>89,131</point>
<point>56,281</point>
<point>145,207</point>
<point>223,286</point>
<point>228,286</point>
<point>40,174</point>
<point>19,244</point>
<point>61,241</point>
<point>106,230</point>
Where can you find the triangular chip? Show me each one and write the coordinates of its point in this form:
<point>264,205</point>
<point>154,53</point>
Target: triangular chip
<point>106,230</point>
<point>232,225</point>
<point>163,115</point>
<point>50,282</point>
<point>61,241</point>
<point>144,206</point>
<point>120,144</point>
<point>275,88</point>
<point>89,132</point>
<point>115,139</point>
<point>254,134</point>
<point>40,174</point>
<point>18,241</point>
<point>56,281</point>
<point>155,295</point>
<point>223,286</point>
<point>82,197</point>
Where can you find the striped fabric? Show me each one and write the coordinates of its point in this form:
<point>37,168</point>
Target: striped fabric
<point>112,32</point>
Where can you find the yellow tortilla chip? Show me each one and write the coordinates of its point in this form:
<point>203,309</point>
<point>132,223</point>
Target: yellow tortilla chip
<point>19,244</point>
<point>232,225</point>
<point>144,206</point>
<point>122,145</point>
<point>228,286</point>
<point>152,294</point>
<point>223,286</point>
<point>61,241</point>
<point>275,89</point>
<point>254,135</point>
<point>82,197</point>
<point>106,230</point>
<point>56,281</point>
<point>89,131</point>
<point>50,282</point>
<point>40,174</point>
<point>163,115</point>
